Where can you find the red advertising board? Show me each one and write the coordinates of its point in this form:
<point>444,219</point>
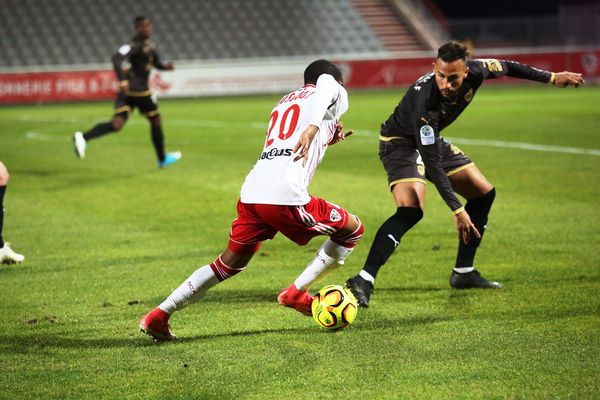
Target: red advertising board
<point>49,87</point>
<point>40,87</point>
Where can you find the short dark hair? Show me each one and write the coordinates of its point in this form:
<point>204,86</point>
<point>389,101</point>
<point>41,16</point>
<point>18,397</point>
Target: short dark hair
<point>320,67</point>
<point>138,20</point>
<point>452,51</point>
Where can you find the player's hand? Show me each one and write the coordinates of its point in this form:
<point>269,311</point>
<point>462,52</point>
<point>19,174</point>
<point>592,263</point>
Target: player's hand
<point>566,78</point>
<point>124,86</point>
<point>339,134</point>
<point>301,148</point>
<point>465,227</point>
<point>169,66</point>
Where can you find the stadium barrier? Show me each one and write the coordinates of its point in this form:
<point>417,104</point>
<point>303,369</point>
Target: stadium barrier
<point>235,78</point>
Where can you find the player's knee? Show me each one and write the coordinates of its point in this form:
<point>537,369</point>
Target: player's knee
<point>408,216</point>
<point>223,271</point>
<point>117,123</point>
<point>351,240</point>
<point>4,176</point>
<point>481,204</point>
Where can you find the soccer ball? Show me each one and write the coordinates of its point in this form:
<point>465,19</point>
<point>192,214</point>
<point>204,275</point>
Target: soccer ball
<point>334,307</point>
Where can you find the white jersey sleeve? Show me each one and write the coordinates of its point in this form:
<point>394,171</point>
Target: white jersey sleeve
<point>276,178</point>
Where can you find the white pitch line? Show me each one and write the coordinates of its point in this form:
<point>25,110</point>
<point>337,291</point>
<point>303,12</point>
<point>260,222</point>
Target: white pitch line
<point>260,125</point>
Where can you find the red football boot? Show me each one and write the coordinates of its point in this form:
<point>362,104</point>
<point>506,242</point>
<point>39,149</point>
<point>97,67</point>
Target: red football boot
<point>293,298</point>
<point>156,324</point>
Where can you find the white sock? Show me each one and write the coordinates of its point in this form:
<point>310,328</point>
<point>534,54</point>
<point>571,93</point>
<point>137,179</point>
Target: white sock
<point>366,276</point>
<point>194,288</point>
<point>464,270</point>
<point>330,256</point>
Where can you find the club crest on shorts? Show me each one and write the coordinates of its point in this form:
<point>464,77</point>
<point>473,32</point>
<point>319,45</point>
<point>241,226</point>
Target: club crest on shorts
<point>334,215</point>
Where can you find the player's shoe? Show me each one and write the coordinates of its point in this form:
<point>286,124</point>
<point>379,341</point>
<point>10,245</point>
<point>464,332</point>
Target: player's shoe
<point>170,158</point>
<point>8,256</point>
<point>294,298</point>
<point>472,280</point>
<point>361,288</point>
<point>79,145</point>
<point>156,324</point>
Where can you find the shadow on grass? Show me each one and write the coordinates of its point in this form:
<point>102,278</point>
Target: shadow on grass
<point>42,343</point>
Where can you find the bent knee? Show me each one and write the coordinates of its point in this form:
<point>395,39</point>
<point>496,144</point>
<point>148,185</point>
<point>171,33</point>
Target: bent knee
<point>4,176</point>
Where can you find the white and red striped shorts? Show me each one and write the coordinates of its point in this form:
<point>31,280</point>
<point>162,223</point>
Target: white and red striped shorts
<point>258,222</point>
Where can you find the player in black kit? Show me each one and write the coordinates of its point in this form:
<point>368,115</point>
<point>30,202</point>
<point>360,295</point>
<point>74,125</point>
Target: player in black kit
<point>142,55</point>
<point>412,150</point>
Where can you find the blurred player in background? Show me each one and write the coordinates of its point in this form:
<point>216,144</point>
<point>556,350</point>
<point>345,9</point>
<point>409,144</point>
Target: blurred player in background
<point>134,92</point>
<point>7,255</point>
<point>412,150</point>
<point>274,198</point>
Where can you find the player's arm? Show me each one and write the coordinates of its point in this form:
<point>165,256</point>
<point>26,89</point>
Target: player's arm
<point>327,94</point>
<point>492,68</point>
<point>158,64</point>
<point>339,134</point>
<point>429,144</point>
<point>117,61</point>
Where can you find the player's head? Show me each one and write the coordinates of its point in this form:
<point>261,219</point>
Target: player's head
<point>320,67</point>
<point>450,67</point>
<point>143,26</point>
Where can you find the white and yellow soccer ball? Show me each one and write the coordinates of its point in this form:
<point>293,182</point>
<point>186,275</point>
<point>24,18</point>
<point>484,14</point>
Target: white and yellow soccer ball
<point>334,307</point>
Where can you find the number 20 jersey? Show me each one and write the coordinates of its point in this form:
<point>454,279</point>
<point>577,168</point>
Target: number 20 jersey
<point>276,178</point>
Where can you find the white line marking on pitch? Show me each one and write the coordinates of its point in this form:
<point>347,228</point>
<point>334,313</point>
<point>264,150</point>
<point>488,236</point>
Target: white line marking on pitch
<point>260,125</point>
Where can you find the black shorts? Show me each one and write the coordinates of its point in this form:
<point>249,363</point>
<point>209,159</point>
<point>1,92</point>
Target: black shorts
<point>146,103</point>
<point>403,162</point>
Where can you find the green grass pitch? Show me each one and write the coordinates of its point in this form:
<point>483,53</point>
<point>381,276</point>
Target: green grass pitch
<point>107,238</point>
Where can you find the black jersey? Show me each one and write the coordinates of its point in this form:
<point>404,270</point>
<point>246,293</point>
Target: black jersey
<point>142,56</point>
<point>424,112</point>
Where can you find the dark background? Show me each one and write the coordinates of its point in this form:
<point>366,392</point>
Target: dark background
<point>503,8</point>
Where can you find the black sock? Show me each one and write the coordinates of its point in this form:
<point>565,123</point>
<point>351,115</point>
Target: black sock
<point>99,130</point>
<point>2,191</point>
<point>158,141</point>
<point>478,209</point>
<point>388,237</point>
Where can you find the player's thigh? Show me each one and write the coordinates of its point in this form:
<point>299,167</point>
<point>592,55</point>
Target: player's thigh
<point>409,194</point>
<point>4,176</point>
<point>148,106</point>
<point>248,231</point>
<point>121,111</point>
<point>318,217</point>
<point>406,173</point>
<point>470,182</point>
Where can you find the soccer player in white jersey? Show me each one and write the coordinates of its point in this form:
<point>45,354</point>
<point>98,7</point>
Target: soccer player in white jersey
<point>274,198</point>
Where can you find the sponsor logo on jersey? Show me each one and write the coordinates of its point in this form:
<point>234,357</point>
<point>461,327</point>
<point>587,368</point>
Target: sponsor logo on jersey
<point>469,96</point>
<point>334,215</point>
<point>275,152</point>
<point>427,135</point>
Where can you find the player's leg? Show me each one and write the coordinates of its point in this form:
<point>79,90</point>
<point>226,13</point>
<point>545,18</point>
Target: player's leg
<point>247,233</point>
<point>121,113</point>
<point>409,198</point>
<point>470,183</point>
<point>406,177</point>
<point>318,217</point>
<point>228,264</point>
<point>149,107</point>
<point>7,255</point>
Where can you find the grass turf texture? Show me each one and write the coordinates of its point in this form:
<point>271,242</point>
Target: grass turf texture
<point>107,238</point>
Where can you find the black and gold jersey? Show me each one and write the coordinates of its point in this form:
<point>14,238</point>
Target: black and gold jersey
<point>423,113</point>
<point>142,56</point>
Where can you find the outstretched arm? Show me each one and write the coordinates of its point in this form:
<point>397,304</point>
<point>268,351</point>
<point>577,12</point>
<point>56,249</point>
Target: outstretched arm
<point>566,78</point>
